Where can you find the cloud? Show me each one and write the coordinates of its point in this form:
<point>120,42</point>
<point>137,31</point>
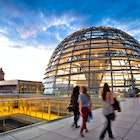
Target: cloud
<point>30,28</point>
<point>27,63</point>
<point>29,20</point>
<point>26,31</point>
<point>3,31</point>
<point>131,27</point>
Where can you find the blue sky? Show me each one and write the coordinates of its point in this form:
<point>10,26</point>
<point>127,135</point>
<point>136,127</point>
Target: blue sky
<point>31,29</point>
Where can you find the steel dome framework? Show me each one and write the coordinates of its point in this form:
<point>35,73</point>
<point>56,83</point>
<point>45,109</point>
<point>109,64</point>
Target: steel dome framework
<point>91,57</point>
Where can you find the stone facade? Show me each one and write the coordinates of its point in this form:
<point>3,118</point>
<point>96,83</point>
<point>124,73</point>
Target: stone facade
<point>1,74</point>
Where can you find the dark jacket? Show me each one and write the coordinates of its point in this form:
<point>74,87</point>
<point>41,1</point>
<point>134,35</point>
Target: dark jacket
<point>74,101</point>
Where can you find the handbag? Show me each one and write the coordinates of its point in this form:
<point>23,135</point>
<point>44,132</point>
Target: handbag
<point>116,105</point>
<point>90,117</point>
<point>70,108</point>
<point>112,116</point>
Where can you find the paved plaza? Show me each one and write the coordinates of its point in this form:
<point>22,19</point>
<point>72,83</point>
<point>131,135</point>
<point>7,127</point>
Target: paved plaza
<point>126,126</point>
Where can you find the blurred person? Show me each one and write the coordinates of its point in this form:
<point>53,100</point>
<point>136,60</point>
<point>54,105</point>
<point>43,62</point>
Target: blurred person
<point>85,105</point>
<point>108,111</point>
<point>75,106</point>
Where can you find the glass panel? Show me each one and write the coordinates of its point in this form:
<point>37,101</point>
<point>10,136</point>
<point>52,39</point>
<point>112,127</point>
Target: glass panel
<point>96,55</point>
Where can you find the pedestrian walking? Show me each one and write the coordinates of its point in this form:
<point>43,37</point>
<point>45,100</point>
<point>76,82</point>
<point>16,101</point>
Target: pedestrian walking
<point>75,106</point>
<point>108,111</point>
<point>85,105</point>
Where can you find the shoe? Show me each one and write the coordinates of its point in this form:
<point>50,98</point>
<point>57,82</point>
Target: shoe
<point>100,138</point>
<point>86,130</point>
<point>82,135</point>
<point>77,126</point>
<point>112,138</point>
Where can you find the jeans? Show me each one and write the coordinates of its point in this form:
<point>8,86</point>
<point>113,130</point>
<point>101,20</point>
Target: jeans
<point>107,128</point>
<point>76,117</point>
<point>85,112</point>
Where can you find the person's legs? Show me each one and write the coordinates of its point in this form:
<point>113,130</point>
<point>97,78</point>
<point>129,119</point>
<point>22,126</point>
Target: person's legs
<point>73,124</point>
<point>86,117</point>
<point>102,135</point>
<point>109,128</point>
<point>85,112</point>
<point>76,117</point>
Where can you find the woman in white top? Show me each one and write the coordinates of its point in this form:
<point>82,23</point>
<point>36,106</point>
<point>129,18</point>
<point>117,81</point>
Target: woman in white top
<point>108,100</point>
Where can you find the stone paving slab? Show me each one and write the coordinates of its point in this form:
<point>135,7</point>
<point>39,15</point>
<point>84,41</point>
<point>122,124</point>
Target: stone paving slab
<point>29,133</point>
<point>126,126</point>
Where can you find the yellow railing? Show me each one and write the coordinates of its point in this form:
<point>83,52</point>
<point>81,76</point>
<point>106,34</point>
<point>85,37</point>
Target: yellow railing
<point>18,111</point>
<point>39,108</point>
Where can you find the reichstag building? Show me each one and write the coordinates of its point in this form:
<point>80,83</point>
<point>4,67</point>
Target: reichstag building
<point>92,56</point>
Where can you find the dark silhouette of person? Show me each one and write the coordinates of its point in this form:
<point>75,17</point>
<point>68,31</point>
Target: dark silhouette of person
<point>75,104</point>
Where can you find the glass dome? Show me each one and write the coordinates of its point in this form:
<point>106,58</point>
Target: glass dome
<point>91,57</point>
